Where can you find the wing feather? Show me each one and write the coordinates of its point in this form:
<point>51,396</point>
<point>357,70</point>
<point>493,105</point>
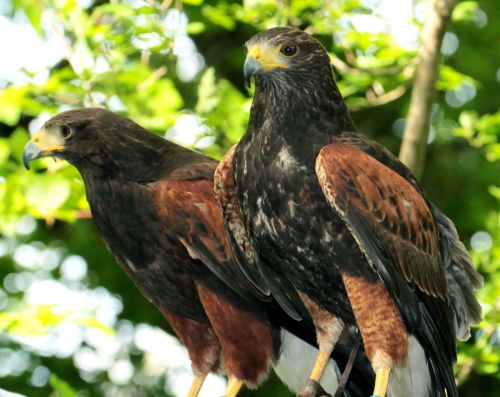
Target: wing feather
<point>225,194</point>
<point>462,278</point>
<point>261,277</point>
<point>187,208</point>
<point>399,239</point>
<point>401,226</point>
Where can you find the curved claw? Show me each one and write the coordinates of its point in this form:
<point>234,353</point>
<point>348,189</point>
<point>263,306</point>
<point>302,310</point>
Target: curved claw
<point>313,389</point>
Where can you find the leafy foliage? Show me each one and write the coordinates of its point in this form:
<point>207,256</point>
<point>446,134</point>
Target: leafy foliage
<point>175,67</point>
<point>37,319</point>
<point>62,388</point>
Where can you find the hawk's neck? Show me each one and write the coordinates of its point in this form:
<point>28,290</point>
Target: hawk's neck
<point>299,116</point>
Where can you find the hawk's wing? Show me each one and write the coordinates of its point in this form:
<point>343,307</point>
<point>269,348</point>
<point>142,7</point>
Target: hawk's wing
<point>186,204</point>
<point>389,219</point>
<point>225,194</point>
<point>246,258</point>
<point>462,278</point>
<point>396,231</point>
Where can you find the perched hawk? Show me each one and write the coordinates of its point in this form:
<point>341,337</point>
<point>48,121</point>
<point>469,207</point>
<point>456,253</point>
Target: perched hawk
<point>335,227</point>
<point>153,204</point>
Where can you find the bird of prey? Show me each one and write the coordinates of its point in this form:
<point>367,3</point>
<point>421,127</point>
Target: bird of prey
<point>336,227</point>
<point>153,204</point>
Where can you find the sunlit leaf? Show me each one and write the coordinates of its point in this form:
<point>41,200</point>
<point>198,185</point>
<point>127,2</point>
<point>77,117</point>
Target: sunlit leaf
<point>11,104</point>
<point>218,16</point>
<point>465,11</point>
<point>61,388</point>
<point>450,78</point>
<point>46,193</point>
<point>92,322</point>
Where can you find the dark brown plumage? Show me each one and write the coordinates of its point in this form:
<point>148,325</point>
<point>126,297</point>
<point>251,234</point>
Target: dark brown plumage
<point>334,226</point>
<point>153,204</point>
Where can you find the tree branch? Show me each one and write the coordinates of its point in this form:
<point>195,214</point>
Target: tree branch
<point>424,86</point>
<point>382,99</point>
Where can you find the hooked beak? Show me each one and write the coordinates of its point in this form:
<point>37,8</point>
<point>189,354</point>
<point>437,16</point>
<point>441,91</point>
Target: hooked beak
<point>31,152</point>
<point>261,58</point>
<point>42,144</point>
<point>250,69</point>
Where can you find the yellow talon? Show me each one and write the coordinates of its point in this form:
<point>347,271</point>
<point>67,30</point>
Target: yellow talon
<point>381,382</point>
<point>196,385</point>
<point>233,387</point>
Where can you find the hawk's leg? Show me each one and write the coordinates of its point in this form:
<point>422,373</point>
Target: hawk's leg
<point>233,387</point>
<point>328,330</point>
<point>196,385</point>
<point>202,344</point>
<point>381,382</point>
<point>382,329</point>
<point>313,389</point>
<point>247,341</point>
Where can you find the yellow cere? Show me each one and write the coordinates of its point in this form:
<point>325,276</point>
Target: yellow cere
<point>268,57</point>
<point>47,141</point>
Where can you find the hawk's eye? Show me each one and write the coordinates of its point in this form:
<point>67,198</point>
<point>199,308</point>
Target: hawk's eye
<point>66,131</point>
<point>288,49</point>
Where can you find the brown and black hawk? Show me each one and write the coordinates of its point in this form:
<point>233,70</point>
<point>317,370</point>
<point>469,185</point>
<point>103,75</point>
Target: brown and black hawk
<point>335,227</point>
<point>153,204</point>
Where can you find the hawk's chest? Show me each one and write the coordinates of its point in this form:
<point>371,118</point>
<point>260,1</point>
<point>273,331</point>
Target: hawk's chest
<point>124,215</point>
<point>273,186</point>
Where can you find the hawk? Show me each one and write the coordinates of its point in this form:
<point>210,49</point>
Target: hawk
<point>335,227</point>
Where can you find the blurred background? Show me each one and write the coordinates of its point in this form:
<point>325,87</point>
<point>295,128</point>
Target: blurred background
<point>71,322</point>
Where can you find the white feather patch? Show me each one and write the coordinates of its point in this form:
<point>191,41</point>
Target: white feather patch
<point>412,380</point>
<point>296,362</point>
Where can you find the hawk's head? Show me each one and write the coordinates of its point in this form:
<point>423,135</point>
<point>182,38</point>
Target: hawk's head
<point>286,55</point>
<point>100,142</point>
<point>72,135</point>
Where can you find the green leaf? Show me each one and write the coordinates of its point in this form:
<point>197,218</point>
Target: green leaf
<point>29,321</point>
<point>11,104</point>
<point>33,10</point>
<point>218,16</point>
<point>61,388</point>
<point>465,11</point>
<point>207,92</point>
<point>195,28</point>
<point>17,142</point>
<point>4,150</point>
<point>93,322</point>
<point>45,193</point>
<point>450,79</point>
